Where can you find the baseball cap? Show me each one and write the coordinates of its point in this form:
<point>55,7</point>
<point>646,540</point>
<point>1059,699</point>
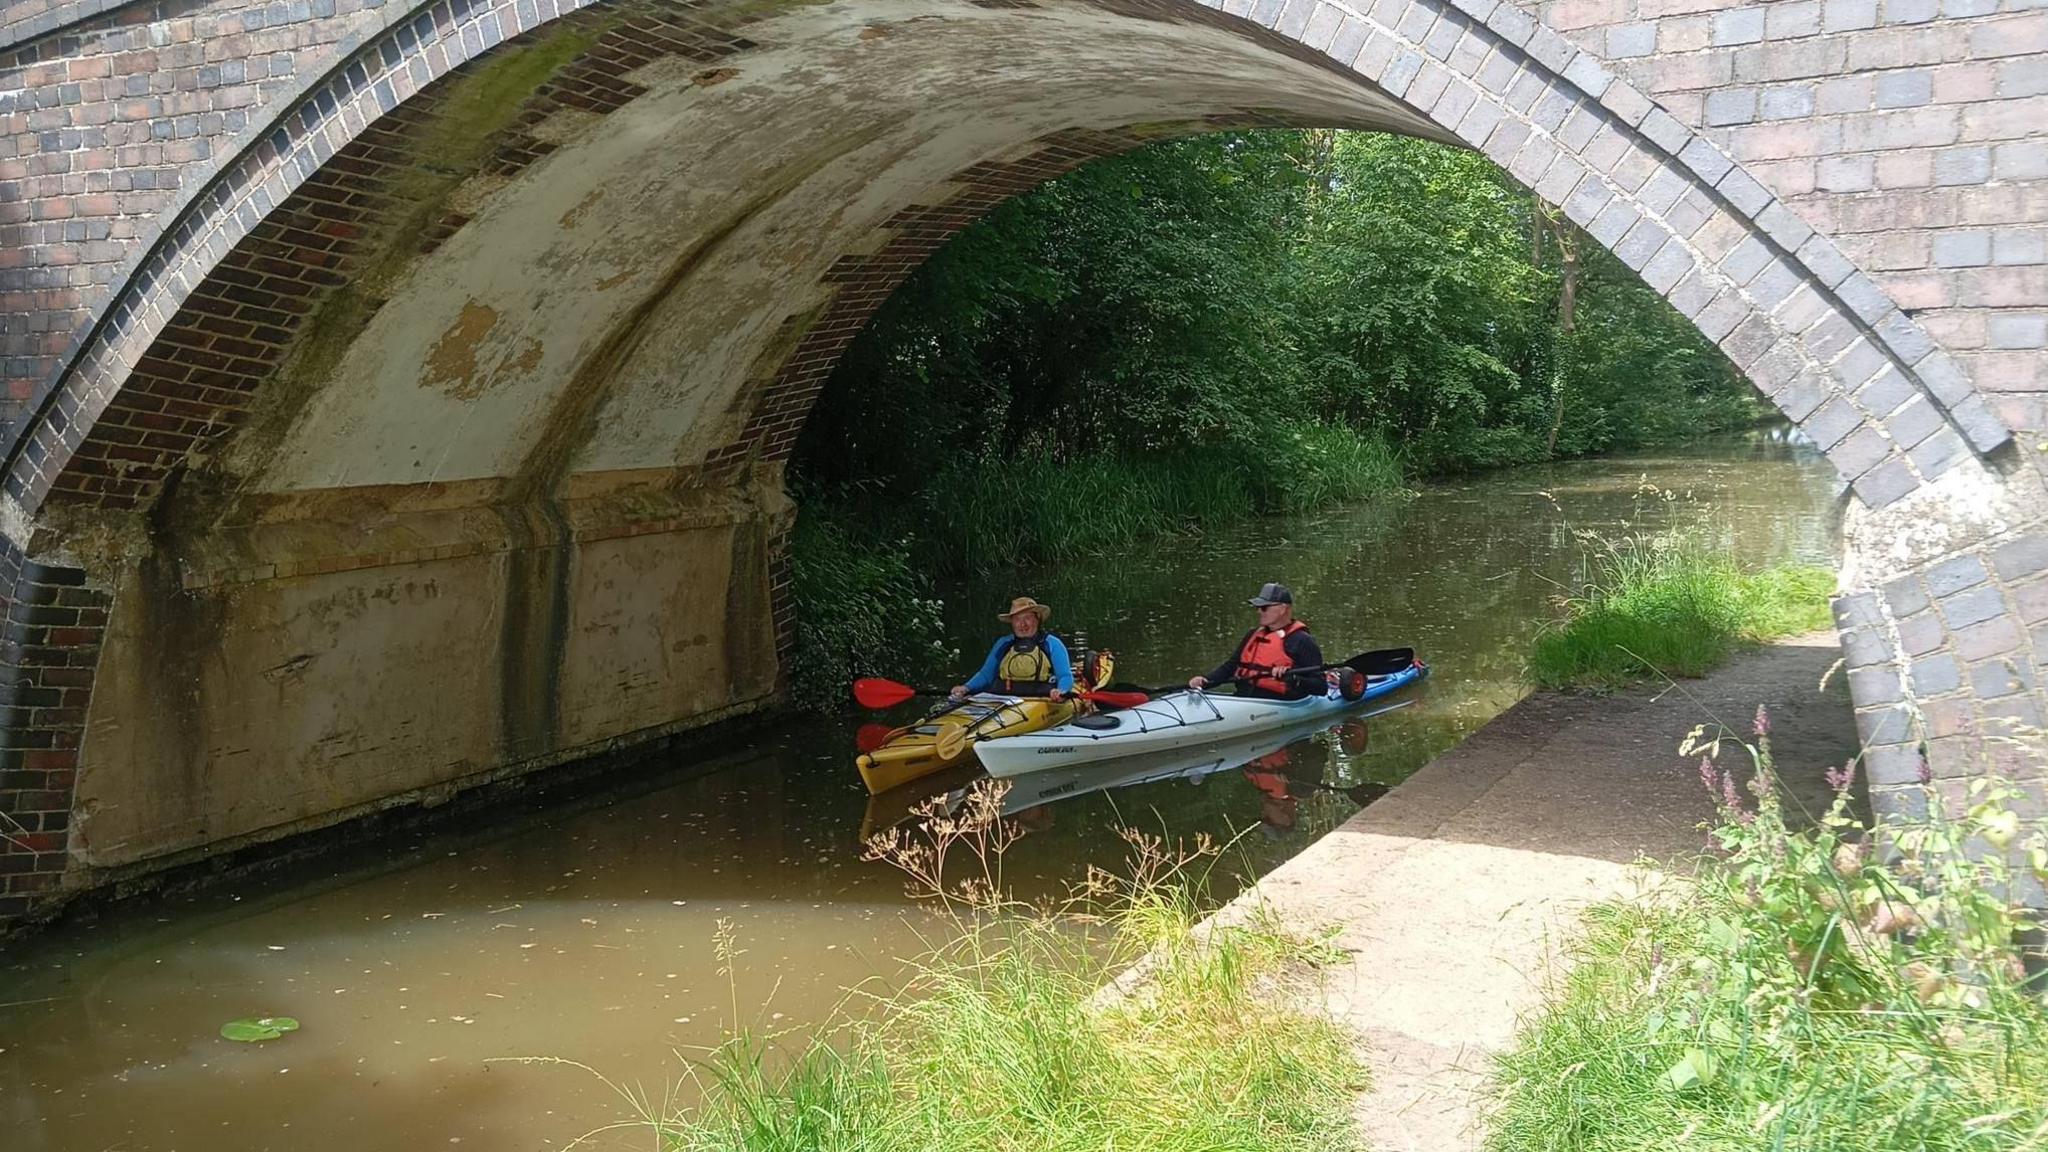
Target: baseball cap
<point>1272,594</point>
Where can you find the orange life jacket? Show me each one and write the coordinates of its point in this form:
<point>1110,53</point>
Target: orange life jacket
<point>1265,651</point>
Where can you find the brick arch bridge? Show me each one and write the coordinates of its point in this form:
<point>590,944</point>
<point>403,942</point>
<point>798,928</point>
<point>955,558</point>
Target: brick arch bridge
<point>397,392</point>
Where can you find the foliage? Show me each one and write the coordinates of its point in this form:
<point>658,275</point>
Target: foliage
<point>1196,292</point>
<point>1803,992</point>
<point>1210,328</point>
<point>1004,1038</point>
<point>862,611</point>
<point>1657,606</point>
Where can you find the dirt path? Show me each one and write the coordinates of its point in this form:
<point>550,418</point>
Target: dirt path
<point>1452,892</point>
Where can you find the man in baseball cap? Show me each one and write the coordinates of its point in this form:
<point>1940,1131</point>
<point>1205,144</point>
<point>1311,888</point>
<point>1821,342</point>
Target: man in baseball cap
<point>1278,644</point>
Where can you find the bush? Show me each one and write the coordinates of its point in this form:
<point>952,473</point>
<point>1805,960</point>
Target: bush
<point>1800,993</point>
<point>862,610</point>
<point>1656,606</point>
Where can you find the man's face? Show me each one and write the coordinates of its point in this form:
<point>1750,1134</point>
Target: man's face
<point>1275,615</point>
<point>1024,625</point>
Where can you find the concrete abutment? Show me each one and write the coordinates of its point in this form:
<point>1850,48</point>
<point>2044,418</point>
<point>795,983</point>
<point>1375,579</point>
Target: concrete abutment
<point>400,390</point>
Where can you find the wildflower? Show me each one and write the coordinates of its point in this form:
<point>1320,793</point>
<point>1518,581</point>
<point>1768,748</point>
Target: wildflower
<point>1708,777</point>
<point>1926,771</point>
<point>1839,779</point>
<point>1763,721</point>
<point>1729,796</point>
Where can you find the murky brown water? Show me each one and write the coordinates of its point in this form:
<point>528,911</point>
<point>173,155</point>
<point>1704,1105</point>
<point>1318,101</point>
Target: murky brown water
<point>586,934</point>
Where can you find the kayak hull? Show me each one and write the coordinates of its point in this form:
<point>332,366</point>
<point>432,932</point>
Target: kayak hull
<point>914,752</point>
<point>1174,721</point>
<point>1194,763</point>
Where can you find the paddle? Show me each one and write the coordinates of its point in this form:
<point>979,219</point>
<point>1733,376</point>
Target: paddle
<point>1383,662</point>
<point>875,692</point>
<point>1359,794</point>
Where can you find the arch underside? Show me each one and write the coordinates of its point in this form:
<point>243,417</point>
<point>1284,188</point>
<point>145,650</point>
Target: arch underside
<point>443,437</point>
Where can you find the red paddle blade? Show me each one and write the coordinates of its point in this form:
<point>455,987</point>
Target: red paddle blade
<point>1118,699</point>
<point>869,737</point>
<point>874,692</point>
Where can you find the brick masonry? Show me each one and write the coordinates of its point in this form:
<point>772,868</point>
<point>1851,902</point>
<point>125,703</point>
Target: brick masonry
<point>1849,196</point>
<point>49,648</point>
<point>1914,133</point>
<point>1817,334</point>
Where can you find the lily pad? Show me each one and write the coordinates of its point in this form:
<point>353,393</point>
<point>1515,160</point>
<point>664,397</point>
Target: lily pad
<point>251,1029</point>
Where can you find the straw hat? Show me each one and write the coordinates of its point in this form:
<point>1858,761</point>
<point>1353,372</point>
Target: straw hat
<point>1026,604</point>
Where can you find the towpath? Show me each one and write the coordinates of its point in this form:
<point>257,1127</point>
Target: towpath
<point>1452,894</point>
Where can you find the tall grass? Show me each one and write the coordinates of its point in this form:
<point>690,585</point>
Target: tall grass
<point>1800,995</point>
<point>998,512</point>
<point>1655,606</point>
<point>1003,1039</point>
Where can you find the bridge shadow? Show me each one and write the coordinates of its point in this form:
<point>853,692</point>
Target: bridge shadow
<point>1601,776</point>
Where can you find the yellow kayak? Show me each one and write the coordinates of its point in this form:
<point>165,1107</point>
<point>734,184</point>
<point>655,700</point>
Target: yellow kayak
<point>947,737</point>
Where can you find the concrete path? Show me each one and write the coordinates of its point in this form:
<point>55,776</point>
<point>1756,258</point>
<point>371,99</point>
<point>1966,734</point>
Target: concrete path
<point>1453,892</point>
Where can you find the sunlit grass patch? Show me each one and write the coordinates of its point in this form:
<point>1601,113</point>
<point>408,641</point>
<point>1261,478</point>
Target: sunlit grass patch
<point>1657,608</point>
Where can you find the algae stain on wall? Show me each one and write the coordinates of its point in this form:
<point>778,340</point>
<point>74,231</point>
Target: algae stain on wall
<point>445,150</point>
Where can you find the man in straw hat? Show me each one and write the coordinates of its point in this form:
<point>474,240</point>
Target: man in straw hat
<point>1028,662</point>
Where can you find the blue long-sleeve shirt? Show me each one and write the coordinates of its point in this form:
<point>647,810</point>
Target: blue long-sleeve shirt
<point>1062,667</point>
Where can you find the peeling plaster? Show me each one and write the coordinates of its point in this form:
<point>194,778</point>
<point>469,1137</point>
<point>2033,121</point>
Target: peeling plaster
<point>853,128</point>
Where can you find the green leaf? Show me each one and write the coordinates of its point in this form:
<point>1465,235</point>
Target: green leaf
<point>1695,1069</point>
<point>251,1029</point>
<point>1724,935</point>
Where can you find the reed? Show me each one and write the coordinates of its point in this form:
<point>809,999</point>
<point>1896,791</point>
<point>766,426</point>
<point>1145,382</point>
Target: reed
<point>1659,607</point>
<point>995,513</point>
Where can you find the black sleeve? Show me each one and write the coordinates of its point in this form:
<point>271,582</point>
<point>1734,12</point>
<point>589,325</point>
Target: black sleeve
<point>1228,669</point>
<point>1302,650</point>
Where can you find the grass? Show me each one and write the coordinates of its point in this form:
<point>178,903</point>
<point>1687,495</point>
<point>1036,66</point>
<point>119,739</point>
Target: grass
<point>1798,994</point>
<point>1653,607</point>
<point>1003,1041</point>
<point>1006,512</point>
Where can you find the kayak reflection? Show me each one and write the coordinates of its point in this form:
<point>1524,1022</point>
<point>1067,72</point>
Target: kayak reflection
<point>1284,765</point>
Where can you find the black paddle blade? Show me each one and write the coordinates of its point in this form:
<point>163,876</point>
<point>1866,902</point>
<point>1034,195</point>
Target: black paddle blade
<point>1364,794</point>
<point>1385,662</point>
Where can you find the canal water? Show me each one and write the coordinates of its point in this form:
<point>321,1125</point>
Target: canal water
<point>421,970</point>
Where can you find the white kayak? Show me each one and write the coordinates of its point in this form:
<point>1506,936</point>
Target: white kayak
<point>1194,763</point>
<point>1176,720</point>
